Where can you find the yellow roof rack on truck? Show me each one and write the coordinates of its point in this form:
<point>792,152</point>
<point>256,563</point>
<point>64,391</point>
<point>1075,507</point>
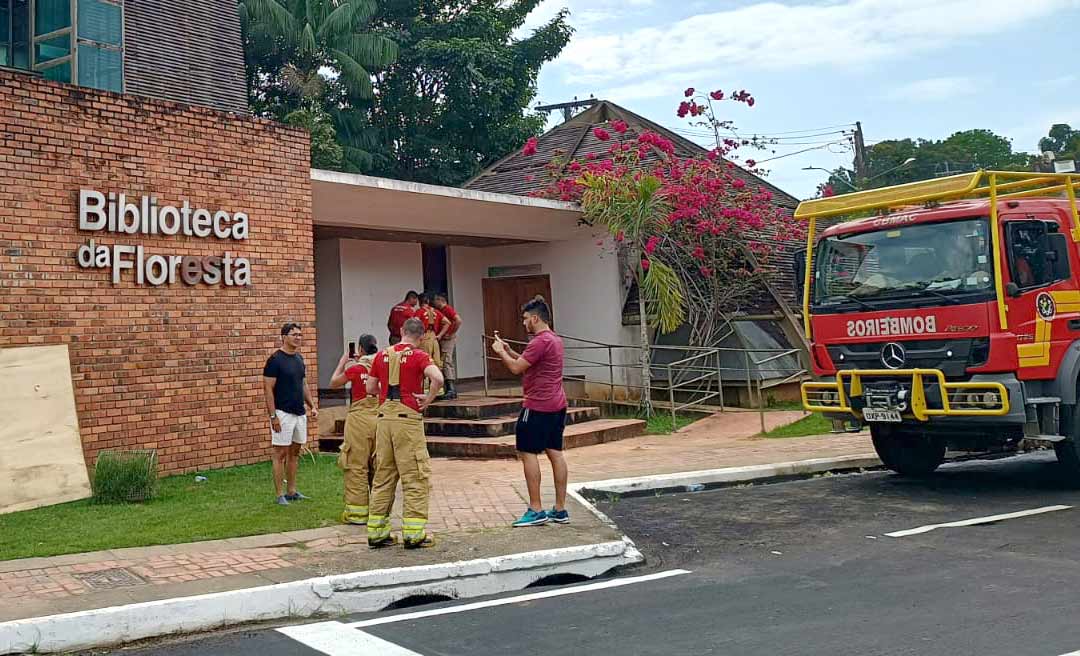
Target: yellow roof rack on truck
<point>996,185</point>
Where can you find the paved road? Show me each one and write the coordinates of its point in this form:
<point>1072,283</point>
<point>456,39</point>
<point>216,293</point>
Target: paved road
<point>792,568</point>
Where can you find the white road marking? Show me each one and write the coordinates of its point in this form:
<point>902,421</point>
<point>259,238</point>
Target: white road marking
<point>601,585</point>
<point>337,639</point>
<point>1072,653</point>
<point>978,520</point>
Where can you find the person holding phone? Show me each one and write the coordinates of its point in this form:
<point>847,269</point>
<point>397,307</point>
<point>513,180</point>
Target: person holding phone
<point>287,399</point>
<point>543,418</point>
<point>357,457</point>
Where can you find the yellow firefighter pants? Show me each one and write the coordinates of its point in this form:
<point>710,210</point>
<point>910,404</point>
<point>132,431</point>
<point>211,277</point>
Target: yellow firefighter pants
<point>446,351</point>
<point>401,453</point>
<point>358,458</point>
<point>430,345</point>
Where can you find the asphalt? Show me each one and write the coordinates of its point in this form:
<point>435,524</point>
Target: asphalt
<point>800,567</point>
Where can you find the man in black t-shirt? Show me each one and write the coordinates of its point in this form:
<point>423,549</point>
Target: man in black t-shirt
<point>287,400</point>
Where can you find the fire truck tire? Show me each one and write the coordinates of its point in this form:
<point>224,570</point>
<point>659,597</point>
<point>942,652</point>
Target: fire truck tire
<point>907,452</point>
<point>1068,450</point>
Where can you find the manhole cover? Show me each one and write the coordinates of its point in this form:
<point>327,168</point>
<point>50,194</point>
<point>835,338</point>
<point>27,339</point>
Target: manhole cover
<point>110,579</point>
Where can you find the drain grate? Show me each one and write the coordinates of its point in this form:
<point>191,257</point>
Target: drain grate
<point>110,579</point>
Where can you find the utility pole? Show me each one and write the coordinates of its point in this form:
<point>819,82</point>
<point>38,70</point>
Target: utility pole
<point>568,107</point>
<point>861,172</point>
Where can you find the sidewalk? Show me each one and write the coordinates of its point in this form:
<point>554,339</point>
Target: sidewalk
<point>472,504</point>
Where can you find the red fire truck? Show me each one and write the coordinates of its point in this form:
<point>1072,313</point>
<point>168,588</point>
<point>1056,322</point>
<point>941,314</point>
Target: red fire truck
<point>945,315</point>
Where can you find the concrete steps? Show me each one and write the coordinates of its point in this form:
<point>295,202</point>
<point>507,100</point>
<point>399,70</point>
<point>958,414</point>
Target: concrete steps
<point>586,433</point>
<point>478,427</point>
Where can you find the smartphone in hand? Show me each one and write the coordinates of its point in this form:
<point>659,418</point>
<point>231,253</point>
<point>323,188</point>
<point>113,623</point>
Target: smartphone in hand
<point>352,350</point>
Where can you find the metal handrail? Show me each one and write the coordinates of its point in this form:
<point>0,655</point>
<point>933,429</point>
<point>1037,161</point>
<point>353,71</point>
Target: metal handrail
<point>699,369</point>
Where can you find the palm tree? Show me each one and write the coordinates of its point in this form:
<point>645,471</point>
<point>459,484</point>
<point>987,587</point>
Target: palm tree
<point>633,207</point>
<point>319,40</point>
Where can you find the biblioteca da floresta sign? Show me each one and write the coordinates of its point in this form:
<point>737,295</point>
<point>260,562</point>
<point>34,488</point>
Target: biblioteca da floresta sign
<point>118,214</point>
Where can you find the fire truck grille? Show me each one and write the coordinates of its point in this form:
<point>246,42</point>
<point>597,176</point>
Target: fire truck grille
<point>952,356</point>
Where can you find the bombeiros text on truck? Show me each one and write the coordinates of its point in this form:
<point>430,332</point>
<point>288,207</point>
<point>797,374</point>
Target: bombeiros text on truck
<point>945,314</point>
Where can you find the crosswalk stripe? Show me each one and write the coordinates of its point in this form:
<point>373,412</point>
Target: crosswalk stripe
<point>337,639</point>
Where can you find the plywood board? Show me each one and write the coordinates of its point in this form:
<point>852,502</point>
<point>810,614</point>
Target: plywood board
<point>41,455</point>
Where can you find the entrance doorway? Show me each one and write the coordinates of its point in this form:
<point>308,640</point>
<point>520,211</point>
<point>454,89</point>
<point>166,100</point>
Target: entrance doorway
<point>434,263</point>
<point>503,298</point>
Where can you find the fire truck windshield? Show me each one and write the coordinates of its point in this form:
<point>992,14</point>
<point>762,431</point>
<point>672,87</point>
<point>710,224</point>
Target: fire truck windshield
<point>947,260</point>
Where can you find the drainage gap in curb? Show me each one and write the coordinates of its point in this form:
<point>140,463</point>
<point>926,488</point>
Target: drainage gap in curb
<point>413,601</point>
<point>558,579</point>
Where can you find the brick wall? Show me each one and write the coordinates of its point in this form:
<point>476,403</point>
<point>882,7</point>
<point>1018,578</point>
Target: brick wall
<point>176,367</point>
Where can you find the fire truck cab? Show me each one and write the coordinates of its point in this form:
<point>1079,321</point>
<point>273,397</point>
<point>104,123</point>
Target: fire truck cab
<point>946,315</point>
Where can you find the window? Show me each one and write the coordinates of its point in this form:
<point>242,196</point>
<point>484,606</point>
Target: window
<point>74,41</point>
<point>15,33</point>
<point>1038,253</point>
<point>100,57</point>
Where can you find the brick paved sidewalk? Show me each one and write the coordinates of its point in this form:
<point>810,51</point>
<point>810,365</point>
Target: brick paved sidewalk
<point>472,504</point>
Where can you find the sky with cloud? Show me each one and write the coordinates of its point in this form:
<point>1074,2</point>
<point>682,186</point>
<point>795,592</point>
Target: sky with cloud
<point>904,68</point>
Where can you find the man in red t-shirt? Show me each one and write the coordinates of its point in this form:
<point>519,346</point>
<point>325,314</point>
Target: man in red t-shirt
<point>357,457</point>
<point>448,343</point>
<point>401,313</point>
<point>397,376</point>
<point>543,417</point>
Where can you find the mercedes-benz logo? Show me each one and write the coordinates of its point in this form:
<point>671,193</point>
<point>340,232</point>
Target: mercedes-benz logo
<point>893,355</point>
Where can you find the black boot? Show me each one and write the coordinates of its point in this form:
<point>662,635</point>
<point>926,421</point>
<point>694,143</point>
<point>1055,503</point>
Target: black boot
<point>450,394</point>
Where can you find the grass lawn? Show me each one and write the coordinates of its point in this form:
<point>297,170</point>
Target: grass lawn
<point>815,424</point>
<point>660,423</point>
<point>232,503</point>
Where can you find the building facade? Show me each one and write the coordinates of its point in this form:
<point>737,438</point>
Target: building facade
<point>186,51</point>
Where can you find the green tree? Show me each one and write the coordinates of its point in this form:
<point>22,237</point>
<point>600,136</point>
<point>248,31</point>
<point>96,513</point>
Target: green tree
<point>888,161</point>
<point>307,54</point>
<point>326,152</point>
<point>456,99</point>
<point>1062,140</point>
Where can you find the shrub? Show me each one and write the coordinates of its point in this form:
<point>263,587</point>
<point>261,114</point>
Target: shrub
<point>125,476</point>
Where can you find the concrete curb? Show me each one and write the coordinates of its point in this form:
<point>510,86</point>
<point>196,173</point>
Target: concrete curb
<point>372,591</point>
<point>690,480</point>
<point>330,595</point>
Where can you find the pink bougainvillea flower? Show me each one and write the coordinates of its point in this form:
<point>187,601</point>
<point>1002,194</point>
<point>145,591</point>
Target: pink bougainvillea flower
<point>530,178</point>
<point>717,95</point>
<point>650,246</point>
<point>706,271</point>
<point>712,155</point>
<point>689,92</point>
<point>684,109</point>
<point>699,253</point>
<point>601,134</point>
<point>738,184</point>
<point>619,126</point>
<point>827,191</point>
<point>644,264</point>
<point>530,147</point>
<point>590,157</point>
<point>620,237</point>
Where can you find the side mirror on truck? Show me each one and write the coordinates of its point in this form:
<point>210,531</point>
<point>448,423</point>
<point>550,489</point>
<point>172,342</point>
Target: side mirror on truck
<point>798,268</point>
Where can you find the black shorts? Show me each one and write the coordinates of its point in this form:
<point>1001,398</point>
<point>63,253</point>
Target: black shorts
<point>539,431</point>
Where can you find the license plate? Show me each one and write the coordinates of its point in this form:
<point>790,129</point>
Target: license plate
<point>881,416</point>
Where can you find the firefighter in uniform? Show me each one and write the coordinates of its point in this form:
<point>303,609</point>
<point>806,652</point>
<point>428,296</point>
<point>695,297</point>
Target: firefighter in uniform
<point>448,344</point>
<point>357,457</point>
<point>397,376</point>
<point>401,313</point>
<point>436,326</point>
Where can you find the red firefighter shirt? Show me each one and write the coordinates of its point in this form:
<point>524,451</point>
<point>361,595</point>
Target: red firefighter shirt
<point>398,316</point>
<point>357,374</point>
<point>451,315</point>
<point>433,319</point>
<point>411,376</point>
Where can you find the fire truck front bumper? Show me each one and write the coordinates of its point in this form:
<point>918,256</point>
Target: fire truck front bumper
<point>894,396</point>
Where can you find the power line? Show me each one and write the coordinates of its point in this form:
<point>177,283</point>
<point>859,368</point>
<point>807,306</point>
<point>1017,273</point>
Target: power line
<point>798,152</point>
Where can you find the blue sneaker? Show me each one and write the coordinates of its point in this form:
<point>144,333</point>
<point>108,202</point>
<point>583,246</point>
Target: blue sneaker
<point>297,496</point>
<point>281,501</point>
<point>559,516</point>
<point>531,518</point>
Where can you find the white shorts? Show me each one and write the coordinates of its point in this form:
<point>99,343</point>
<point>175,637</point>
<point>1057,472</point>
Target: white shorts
<point>293,429</point>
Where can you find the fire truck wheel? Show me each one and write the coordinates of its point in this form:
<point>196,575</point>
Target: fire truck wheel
<point>907,452</point>
<point>1068,450</point>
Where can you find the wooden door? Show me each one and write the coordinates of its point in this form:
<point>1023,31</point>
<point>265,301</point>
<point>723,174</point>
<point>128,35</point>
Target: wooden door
<point>503,298</point>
